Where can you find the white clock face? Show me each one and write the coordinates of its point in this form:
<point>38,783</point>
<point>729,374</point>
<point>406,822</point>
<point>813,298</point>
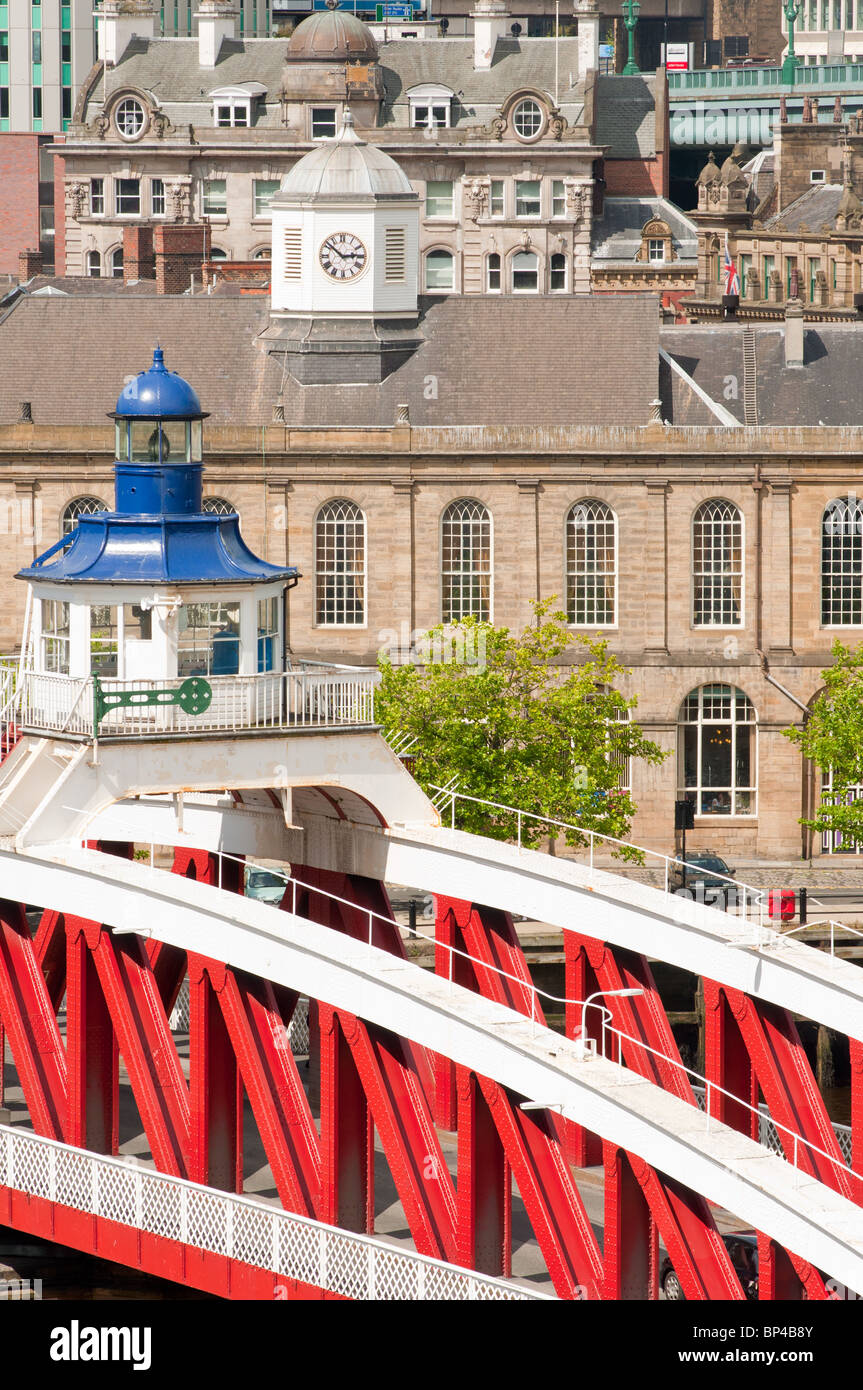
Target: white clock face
<point>343,256</point>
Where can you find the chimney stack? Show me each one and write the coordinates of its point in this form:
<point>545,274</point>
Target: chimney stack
<point>180,248</point>
<point>120,21</point>
<point>217,21</point>
<point>490,23</point>
<point>793,333</point>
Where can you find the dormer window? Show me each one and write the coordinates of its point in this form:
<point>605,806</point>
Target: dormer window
<point>130,118</point>
<point>430,107</point>
<point>233,106</point>
<point>323,123</point>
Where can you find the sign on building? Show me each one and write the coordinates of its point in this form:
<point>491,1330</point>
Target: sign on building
<point>677,57</point>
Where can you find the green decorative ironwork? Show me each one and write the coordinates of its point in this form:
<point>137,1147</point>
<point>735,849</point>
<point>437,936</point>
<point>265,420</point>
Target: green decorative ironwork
<point>791,10</point>
<point>194,696</point>
<point>630,19</point>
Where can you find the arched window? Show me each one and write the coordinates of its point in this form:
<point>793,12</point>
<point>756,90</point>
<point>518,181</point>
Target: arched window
<point>492,273</point>
<point>340,565</point>
<point>117,263</point>
<point>591,565</point>
<point>717,565</point>
<point>217,254</point>
<point>525,273</point>
<point>557,275</point>
<point>81,506</point>
<point>717,752</point>
<point>264,254</point>
<point>94,264</point>
<point>466,561</point>
<point>842,563</point>
<point>440,270</point>
<point>218,506</point>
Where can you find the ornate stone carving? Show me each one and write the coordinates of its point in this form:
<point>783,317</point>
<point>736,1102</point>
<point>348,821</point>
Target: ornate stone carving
<point>180,194</point>
<point>497,127</point>
<point>557,124</point>
<point>76,199</point>
<point>160,124</point>
<point>101,125</point>
<point>575,201</point>
<point>476,194</point>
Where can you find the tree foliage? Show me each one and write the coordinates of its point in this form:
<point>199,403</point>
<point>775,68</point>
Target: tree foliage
<point>504,718</point>
<point>832,737</point>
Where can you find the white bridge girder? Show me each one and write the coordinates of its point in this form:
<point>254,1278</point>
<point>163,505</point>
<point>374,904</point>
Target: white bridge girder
<point>725,1166</point>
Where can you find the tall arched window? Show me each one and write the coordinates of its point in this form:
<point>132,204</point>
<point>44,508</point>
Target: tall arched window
<point>842,563</point>
<point>557,274</point>
<point>218,506</point>
<point>81,506</point>
<point>525,273</point>
<point>466,561</point>
<point>717,565</point>
<point>717,760</point>
<point>492,273</point>
<point>591,565</point>
<point>117,263</point>
<point>440,270</point>
<point>94,264</point>
<point>340,565</point>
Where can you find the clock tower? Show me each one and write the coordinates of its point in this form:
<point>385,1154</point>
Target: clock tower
<point>345,262</point>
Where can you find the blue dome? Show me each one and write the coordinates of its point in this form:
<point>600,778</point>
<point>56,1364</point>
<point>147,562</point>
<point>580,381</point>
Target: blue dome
<point>158,394</point>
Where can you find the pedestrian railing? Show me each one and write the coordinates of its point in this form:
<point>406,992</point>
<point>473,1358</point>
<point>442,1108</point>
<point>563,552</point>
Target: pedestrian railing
<point>750,80</point>
<point>320,697</point>
<point>239,1228</point>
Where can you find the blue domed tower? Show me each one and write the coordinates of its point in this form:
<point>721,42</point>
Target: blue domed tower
<point>156,590</point>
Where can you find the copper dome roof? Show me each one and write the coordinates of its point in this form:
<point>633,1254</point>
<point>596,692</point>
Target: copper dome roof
<point>332,35</point>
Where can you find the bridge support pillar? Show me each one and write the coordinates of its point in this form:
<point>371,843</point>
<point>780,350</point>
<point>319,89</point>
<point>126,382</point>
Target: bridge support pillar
<point>727,1063</point>
<point>630,1245</point>
<point>583,1148</point>
<point>347,1132</point>
<point>484,1184</point>
<point>448,940</point>
<point>215,1091</point>
<point>91,1050</point>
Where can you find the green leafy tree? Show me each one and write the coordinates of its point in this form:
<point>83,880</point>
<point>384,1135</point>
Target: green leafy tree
<point>832,737</point>
<point>507,721</point>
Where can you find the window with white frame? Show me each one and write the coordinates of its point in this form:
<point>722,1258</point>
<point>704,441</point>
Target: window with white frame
<point>208,639</point>
<point>117,263</point>
<point>527,198</point>
<point>439,198</point>
<point>492,273</point>
<point>130,118</point>
<point>232,106</point>
<point>558,198</point>
<point>717,751</point>
<point>218,506</point>
<point>717,565</point>
<point>557,273</point>
<point>103,640</point>
<point>268,633</point>
<point>265,191</point>
<point>127,197</point>
<point>231,113</point>
<point>430,106</point>
<point>495,202</point>
<point>842,563</point>
<point>81,506</point>
<point>340,565</point>
<point>157,197</point>
<point>591,565</point>
<point>466,561</point>
<point>656,250</point>
<point>323,122</point>
<point>528,119</point>
<point>525,273</point>
<point>439,270</point>
<point>97,197</point>
<point>94,264</point>
<point>55,636</point>
<point>214,197</point>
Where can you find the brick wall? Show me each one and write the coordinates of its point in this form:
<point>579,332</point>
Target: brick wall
<point>180,250</point>
<point>19,198</point>
<point>138,253</point>
<point>59,210</point>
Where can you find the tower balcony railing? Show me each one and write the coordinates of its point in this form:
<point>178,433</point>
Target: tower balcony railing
<point>320,697</point>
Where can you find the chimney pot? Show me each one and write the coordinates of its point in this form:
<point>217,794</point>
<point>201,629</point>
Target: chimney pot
<point>794,333</point>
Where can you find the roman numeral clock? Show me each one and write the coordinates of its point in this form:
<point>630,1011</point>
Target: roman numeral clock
<point>343,256</point>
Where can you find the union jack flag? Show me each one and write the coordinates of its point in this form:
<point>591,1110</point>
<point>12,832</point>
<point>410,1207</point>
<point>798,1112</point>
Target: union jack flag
<point>732,279</point>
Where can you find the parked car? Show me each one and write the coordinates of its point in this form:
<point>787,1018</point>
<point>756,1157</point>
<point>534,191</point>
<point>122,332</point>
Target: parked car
<point>742,1247</point>
<point>702,881</point>
<point>264,885</point>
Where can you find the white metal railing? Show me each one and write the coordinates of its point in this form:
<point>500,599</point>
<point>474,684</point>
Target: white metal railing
<point>275,700</point>
<point>768,1134</point>
<point>535,994</point>
<point>738,898</point>
<point>298,1028</point>
<point>240,1228</point>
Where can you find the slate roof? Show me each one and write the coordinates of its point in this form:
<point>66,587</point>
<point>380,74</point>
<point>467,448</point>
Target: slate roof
<point>617,233</point>
<point>825,390</point>
<point>169,70</point>
<point>626,116</point>
<point>497,361</point>
<point>817,206</point>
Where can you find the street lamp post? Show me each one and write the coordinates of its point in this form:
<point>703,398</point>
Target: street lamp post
<point>601,994</point>
<point>791,9</point>
<point>630,19</point>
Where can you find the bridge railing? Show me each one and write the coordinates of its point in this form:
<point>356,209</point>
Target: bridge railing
<point>810,75</point>
<point>590,1046</point>
<point>316,698</point>
<point>240,1228</point>
<point>736,897</point>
